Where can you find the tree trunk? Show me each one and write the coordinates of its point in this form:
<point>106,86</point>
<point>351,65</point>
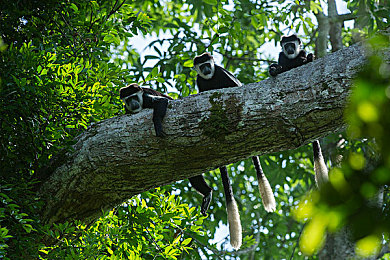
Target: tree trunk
<point>338,246</point>
<point>323,31</point>
<point>121,157</point>
<point>335,26</point>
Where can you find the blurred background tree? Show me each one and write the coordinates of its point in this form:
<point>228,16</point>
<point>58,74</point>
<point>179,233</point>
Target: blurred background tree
<point>62,64</point>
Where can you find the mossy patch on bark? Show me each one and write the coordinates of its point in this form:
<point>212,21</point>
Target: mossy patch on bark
<point>220,122</point>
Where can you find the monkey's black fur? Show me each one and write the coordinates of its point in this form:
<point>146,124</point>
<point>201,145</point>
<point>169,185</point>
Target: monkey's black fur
<point>211,76</point>
<point>291,47</point>
<point>150,98</point>
<point>218,78</point>
<point>290,44</point>
<point>221,78</point>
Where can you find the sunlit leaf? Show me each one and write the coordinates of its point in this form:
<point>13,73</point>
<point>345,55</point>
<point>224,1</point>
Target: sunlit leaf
<point>188,63</point>
<point>186,241</point>
<point>313,235</point>
<point>357,161</point>
<point>368,246</point>
<point>368,112</point>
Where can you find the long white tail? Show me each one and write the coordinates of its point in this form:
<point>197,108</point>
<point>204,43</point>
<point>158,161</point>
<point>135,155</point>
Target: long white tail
<point>234,224</point>
<point>232,211</point>
<point>266,194</point>
<point>320,168</point>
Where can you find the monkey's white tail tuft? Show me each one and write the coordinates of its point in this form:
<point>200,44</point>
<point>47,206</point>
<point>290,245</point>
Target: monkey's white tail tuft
<point>321,171</point>
<point>235,228</point>
<point>266,194</point>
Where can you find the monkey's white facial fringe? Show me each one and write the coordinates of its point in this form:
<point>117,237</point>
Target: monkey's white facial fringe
<point>140,100</point>
<point>235,228</point>
<point>266,194</point>
<point>321,171</point>
<point>212,66</point>
<point>296,53</point>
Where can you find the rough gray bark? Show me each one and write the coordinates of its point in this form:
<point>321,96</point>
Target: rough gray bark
<point>338,246</point>
<point>121,157</point>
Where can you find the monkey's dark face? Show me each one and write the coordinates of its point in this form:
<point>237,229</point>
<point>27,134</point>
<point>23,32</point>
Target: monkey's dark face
<point>291,49</point>
<point>132,97</point>
<point>134,102</point>
<point>204,65</point>
<point>291,46</point>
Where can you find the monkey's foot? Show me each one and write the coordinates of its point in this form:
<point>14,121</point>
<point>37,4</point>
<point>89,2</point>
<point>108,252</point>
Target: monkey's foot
<point>310,57</point>
<point>206,203</point>
<point>159,130</point>
<point>160,133</point>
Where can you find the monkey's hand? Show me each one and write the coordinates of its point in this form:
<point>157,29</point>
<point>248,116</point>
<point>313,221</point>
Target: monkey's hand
<point>159,109</point>
<point>206,203</point>
<point>161,134</point>
<point>274,69</point>
<point>159,130</point>
<point>310,57</point>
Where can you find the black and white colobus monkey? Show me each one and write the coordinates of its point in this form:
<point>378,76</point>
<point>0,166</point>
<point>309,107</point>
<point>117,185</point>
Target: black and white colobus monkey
<point>290,57</point>
<point>211,76</point>
<point>135,98</point>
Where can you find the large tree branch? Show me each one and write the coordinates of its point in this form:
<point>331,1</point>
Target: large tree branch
<point>120,157</point>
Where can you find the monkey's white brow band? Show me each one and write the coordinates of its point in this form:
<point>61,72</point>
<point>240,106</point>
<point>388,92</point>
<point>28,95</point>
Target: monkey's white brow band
<point>206,62</point>
<point>132,95</point>
<point>295,42</point>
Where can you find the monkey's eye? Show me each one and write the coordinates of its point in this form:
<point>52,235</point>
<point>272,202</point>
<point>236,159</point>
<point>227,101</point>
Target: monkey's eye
<point>130,98</point>
<point>205,68</point>
<point>289,47</point>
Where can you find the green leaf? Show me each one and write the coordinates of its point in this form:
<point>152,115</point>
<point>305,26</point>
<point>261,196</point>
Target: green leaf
<point>189,63</point>
<point>167,249</point>
<point>186,241</point>
<point>43,72</point>
<point>44,251</point>
<point>109,38</point>
<point>154,72</point>
<point>74,7</point>
<point>176,239</point>
<point>160,80</point>
<point>28,228</point>
<point>223,29</point>
<point>315,7</point>
<point>210,2</point>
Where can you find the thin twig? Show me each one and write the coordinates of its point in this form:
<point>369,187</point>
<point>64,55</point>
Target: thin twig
<point>297,243</point>
<point>154,241</point>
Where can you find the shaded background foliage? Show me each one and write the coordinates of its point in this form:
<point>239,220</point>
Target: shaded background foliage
<point>62,64</point>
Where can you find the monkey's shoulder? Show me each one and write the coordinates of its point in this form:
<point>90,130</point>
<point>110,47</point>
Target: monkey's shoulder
<point>153,92</point>
<point>225,78</point>
<point>221,79</point>
<point>284,61</point>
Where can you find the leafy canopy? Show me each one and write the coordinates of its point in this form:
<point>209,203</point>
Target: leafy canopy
<point>61,66</point>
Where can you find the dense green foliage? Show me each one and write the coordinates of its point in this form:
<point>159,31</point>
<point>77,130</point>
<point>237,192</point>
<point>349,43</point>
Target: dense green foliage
<point>61,66</point>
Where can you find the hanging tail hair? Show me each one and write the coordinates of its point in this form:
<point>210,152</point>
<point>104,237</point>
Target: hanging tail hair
<point>320,169</point>
<point>233,216</point>
<point>265,189</point>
